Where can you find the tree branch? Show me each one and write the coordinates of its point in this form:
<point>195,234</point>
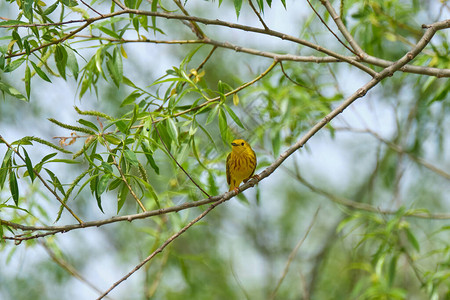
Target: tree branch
<point>167,242</point>
<point>293,254</point>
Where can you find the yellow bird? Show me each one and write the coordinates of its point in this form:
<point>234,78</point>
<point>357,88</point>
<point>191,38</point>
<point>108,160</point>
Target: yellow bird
<point>241,164</point>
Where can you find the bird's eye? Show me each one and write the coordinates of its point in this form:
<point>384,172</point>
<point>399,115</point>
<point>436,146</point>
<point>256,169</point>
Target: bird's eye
<point>242,144</point>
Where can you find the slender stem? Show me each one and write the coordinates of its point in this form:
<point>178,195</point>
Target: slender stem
<point>174,159</point>
<point>165,244</point>
<point>293,254</point>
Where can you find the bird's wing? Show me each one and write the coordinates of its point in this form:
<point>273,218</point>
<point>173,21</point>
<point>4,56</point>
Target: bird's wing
<point>228,168</point>
<point>254,168</point>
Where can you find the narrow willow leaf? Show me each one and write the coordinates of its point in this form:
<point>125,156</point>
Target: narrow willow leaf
<point>121,197</point>
<point>235,99</point>
<point>5,168</point>
<point>212,115</point>
<point>109,32</point>
<point>28,81</point>
<point>149,155</point>
<point>412,239</point>
<point>40,72</point>
<point>88,124</point>
<point>51,8</point>
<point>131,157</point>
<point>223,126</point>
<point>55,181</point>
<point>14,65</point>
<point>72,63</point>
<point>12,91</point>
<point>172,130</point>
<point>131,98</point>
<point>237,6</point>
<point>233,116</point>
<point>392,270</point>
<point>29,165</point>
<point>69,3</point>
<point>13,187</point>
<point>61,60</point>
<point>103,183</point>
<point>123,52</point>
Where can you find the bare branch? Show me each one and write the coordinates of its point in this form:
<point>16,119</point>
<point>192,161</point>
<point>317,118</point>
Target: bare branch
<point>329,29</point>
<point>258,15</point>
<point>400,150</point>
<point>343,29</point>
<point>293,254</point>
<point>168,241</point>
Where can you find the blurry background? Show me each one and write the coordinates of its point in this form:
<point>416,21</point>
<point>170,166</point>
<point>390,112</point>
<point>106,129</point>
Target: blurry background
<point>385,153</point>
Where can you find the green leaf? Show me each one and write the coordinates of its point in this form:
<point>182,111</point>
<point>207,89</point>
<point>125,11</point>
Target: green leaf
<point>69,3</point>
<point>5,168</point>
<point>14,65</point>
<point>131,157</point>
<point>88,124</point>
<point>72,63</point>
<point>233,116</point>
<point>392,270</point>
<point>61,60</point>
<point>109,32</point>
<point>29,165</point>
<point>212,115</point>
<point>121,197</point>
<point>154,8</point>
<point>103,183</point>
<point>172,130</point>
<point>50,9</point>
<point>12,91</point>
<point>107,167</point>
<point>237,6</point>
<point>27,81</point>
<point>55,181</point>
<point>12,22</point>
<point>149,155</point>
<point>223,126</point>
<point>13,187</point>
<point>115,67</point>
<point>284,3</point>
<point>131,98</point>
<point>412,239</point>
<point>40,72</point>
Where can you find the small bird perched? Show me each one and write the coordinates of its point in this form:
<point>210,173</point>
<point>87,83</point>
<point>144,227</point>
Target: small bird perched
<point>241,164</point>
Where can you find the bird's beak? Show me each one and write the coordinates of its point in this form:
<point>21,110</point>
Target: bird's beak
<point>234,144</point>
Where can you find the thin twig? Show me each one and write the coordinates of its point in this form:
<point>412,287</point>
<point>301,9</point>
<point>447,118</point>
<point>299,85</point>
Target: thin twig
<point>175,160</point>
<point>329,29</point>
<point>194,26</point>
<point>90,7</point>
<point>290,57</point>
<point>343,29</point>
<point>258,15</point>
<point>68,267</point>
<point>165,244</point>
<point>293,254</point>
<point>400,150</point>
<point>274,63</point>
<point>122,175</point>
<point>364,57</point>
<point>292,80</point>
